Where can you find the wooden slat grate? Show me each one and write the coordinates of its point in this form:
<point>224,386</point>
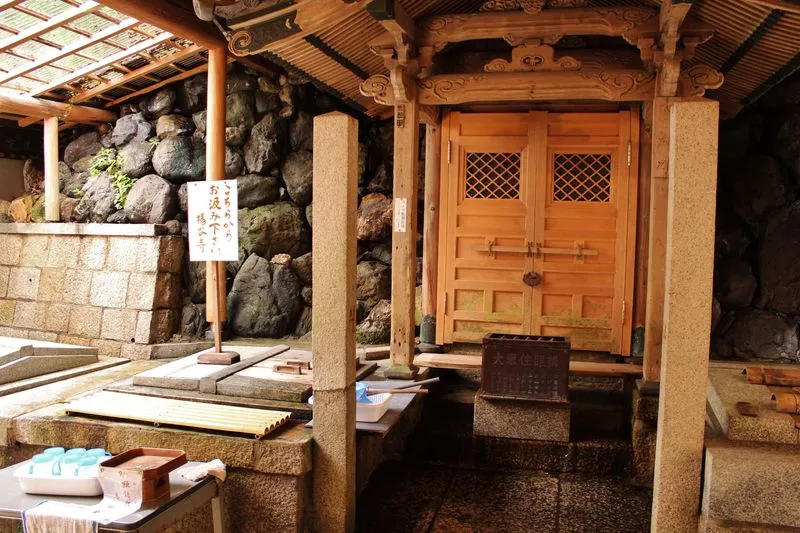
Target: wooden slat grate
<point>158,411</point>
<point>581,177</point>
<point>493,176</point>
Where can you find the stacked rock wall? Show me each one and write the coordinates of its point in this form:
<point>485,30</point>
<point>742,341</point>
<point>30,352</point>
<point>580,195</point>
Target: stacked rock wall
<point>158,145</point>
<point>757,270</point>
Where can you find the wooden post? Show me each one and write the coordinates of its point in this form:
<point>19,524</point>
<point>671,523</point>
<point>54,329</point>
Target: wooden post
<point>642,227</point>
<point>687,314</point>
<point>404,239</point>
<point>51,181</point>
<point>335,201</point>
<point>430,235</point>
<point>657,245</point>
<point>216,312</point>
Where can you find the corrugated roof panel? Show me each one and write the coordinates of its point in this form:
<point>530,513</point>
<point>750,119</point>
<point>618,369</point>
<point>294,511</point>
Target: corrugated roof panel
<point>49,8</point>
<point>91,23</point>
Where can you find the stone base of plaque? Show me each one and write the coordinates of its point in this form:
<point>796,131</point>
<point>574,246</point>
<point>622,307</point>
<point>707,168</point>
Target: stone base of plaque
<point>521,419</point>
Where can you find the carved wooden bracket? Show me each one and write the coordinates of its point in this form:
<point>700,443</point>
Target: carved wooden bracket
<point>529,6</point>
<point>378,87</point>
<point>533,57</point>
<point>697,79</point>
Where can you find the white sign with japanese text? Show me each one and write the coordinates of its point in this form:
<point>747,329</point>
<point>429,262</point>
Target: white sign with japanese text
<point>213,221</point>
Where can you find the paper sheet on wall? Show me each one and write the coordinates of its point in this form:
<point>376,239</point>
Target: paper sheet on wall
<point>213,220</point>
<point>400,214</point>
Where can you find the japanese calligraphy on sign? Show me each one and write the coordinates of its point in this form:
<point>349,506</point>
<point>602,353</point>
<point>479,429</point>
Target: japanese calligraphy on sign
<point>213,221</point>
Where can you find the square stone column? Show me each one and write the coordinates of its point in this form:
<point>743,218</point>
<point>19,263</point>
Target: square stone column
<point>687,314</point>
<point>333,316</point>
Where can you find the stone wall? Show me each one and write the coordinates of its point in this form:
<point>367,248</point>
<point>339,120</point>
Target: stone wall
<point>160,142</point>
<point>91,286</point>
<point>757,271</point>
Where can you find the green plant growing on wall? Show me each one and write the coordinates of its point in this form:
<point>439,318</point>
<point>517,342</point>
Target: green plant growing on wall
<point>110,161</point>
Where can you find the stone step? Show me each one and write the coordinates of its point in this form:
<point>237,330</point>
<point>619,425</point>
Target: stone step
<point>750,484</point>
<point>599,438</point>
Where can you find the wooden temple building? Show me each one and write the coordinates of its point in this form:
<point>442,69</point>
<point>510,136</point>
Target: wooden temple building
<point>570,169</point>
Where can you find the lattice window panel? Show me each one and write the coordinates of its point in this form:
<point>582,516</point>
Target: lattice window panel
<point>493,175</point>
<point>581,177</point>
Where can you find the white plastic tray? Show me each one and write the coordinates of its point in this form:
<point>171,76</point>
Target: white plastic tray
<point>369,412</point>
<point>57,485</point>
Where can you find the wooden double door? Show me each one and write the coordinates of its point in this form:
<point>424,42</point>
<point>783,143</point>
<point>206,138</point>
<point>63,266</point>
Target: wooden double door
<point>538,227</point>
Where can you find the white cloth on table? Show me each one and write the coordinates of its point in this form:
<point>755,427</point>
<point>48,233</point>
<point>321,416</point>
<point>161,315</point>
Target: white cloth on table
<point>194,472</point>
<point>55,517</point>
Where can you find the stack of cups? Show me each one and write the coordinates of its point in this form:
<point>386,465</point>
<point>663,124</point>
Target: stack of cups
<point>77,462</point>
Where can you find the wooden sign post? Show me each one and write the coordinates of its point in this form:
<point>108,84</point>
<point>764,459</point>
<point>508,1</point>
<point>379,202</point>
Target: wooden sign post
<point>213,198</point>
<point>214,238</point>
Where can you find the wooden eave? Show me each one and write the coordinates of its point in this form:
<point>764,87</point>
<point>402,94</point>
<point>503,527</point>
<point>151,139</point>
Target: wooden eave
<point>97,55</point>
<point>754,43</point>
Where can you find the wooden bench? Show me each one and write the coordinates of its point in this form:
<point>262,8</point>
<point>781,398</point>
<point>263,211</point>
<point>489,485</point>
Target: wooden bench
<point>576,368</point>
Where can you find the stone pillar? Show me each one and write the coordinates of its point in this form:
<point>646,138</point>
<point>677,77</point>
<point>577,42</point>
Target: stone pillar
<point>430,237</point>
<point>404,239</point>
<point>334,312</point>
<point>687,313</point>
<point>51,181</point>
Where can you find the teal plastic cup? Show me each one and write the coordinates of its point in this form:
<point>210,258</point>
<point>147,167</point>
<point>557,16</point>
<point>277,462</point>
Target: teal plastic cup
<point>67,464</point>
<point>75,451</point>
<point>41,464</point>
<point>54,452</point>
<point>97,452</point>
<point>87,466</point>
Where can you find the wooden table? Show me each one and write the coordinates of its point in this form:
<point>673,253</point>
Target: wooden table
<point>185,496</point>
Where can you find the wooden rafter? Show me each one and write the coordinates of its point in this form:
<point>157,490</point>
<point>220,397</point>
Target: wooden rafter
<point>25,105</point>
<point>182,76</point>
<point>94,67</point>
<point>138,73</point>
<point>170,18</point>
<point>49,25</point>
<point>782,5</point>
<point>68,50</point>
<point>283,27</point>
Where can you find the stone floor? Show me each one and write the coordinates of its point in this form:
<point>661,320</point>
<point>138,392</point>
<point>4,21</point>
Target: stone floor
<point>415,497</point>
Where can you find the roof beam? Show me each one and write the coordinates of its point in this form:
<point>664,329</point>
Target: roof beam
<point>89,69</point>
<point>18,104</point>
<point>138,73</point>
<point>517,26</point>
<point>44,27</point>
<point>171,18</point>
<point>168,81</point>
<point>282,27</point>
<point>67,50</point>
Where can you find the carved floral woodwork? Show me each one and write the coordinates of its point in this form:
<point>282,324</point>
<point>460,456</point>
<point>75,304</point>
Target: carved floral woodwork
<point>533,57</point>
<point>529,6</point>
<point>379,88</point>
<point>517,27</point>
<point>630,85</point>
<point>695,80</point>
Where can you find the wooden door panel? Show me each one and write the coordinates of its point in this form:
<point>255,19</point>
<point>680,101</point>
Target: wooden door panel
<point>487,208</point>
<point>570,191</point>
<point>585,182</point>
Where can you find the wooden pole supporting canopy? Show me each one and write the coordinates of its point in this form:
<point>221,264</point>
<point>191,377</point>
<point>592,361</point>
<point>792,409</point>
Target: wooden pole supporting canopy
<point>430,236</point>
<point>51,181</point>
<point>215,171</point>
<point>18,104</point>
<point>404,239</point>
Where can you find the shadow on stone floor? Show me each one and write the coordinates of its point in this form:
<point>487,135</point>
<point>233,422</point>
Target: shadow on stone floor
<point>414,497</point>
